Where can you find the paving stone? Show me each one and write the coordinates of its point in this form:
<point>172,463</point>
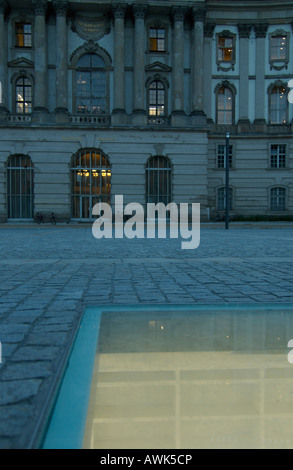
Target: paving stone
<point>15,391</point>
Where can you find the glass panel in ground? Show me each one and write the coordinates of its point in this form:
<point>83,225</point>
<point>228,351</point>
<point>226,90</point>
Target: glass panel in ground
<point>185,380</point>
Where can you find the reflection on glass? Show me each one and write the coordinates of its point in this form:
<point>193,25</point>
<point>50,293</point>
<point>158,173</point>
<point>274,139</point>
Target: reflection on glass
<point>192,380</point>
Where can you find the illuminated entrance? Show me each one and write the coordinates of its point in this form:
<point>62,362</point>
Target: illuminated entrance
<point>91,182</point>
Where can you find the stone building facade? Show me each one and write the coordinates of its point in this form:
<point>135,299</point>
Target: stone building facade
<point>134,98</point>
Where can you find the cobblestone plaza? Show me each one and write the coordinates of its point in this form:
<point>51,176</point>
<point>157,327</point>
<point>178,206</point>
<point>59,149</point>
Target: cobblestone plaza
<point>49,274</point>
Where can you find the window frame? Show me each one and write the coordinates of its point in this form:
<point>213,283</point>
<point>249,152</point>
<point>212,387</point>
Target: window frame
<point>226,85</point>
<point>223,156</point>
<point>279,63</point>
<point>279,155</point>
<point>275,209</point>
<point>16,101</point>
<point>20,173</point>
<point>277,85</point>
<point>231,198</point>
<point>167,171</point>
<point>226,65</point>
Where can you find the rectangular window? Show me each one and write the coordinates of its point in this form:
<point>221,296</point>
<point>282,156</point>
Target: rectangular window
<point>278,199</point>
<point>278,156</point>
<point>222,199</point>
<point>278,47</point>
<point>157,40</point>
<point>225,49</point>
<point>221,157</point>
<point>23,33</point>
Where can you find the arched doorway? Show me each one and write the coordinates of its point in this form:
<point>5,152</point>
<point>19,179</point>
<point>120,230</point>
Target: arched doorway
<point>20,197</point>
<point>91,182</point>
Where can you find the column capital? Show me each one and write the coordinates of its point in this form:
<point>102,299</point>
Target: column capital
<point>119,10</point>
<point>244,30</point>
<point>261,30</point>
<point>139,11</point>
<point>178,13</point>
<point>61,7</point>
<point>40,6</point>
<point>3,6</point>
<point>199,13</point>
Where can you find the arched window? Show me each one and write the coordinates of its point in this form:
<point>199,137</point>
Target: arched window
<point>23,95</point>
<point>278,199</point>
<point>278,105</point>
<point>156,100</point>
<point>225,105</point>
<point>158,180</point>
<point>91,182</point>
<point>91,84</point>
<point>19,187</point>
<point>221,199</point>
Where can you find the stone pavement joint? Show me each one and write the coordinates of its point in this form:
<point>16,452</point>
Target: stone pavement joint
<point>50,274</point>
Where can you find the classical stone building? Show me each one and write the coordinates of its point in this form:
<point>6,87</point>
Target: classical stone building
<point>102,98</point>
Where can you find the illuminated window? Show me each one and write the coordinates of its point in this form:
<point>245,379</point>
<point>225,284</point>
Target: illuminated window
<point>279,47</point>
<point>278,156</point>
<point>278,199</point>
<point>91,85</point>
<point>158,180</point>
<point>91,182</point>
<point>20,187</point>
<point>156,98</point>
<point>23,34</point>
<point>278,105</point>
<point>225,49</point>
<point>23,96</point>
<point>157,40</point>
<point>225,104</point>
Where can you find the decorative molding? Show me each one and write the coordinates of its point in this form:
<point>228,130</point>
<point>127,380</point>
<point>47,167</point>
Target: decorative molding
<point>178,13</point>
<point>21,62</point>
<point>89,28</point>
<point>261,30</point>
<point>119,10</point>
<point>199,14</point>
<point>139,11</point>
<point>22,73</point>
<point>226,84</point>
<point>40,7</point>
<point>158,78</point>
<point>61,7</point>
<point>158,67</point>
<point>93,47</point>
<point>244,31</point>
<point>277,83</point>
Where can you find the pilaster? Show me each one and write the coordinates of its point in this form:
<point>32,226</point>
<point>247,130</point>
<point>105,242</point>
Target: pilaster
<point>61,111</point>
<point>139,113</point>
<point>260,94</point>
<point>40,97</point>
<point>118,116</point>
<point>178,15</point>
<point>199,117</point>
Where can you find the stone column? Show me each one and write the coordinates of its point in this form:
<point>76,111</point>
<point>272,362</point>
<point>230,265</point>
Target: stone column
<point>61,9</point>
<point>260,92</point>
<point>178,14</point>
<point>198,66</point>
<point>119,65</point>
<point>244,34</point>
<point>208,48</point>
<point>3,61</point>
<point>41,70</point>
<point>139,112</point>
